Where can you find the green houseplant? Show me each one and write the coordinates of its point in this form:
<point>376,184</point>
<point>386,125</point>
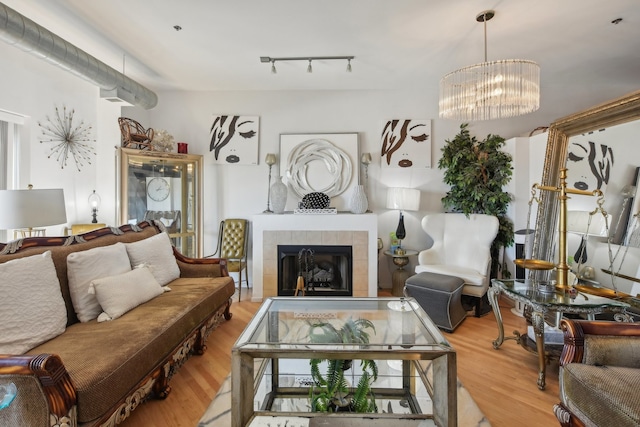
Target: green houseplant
<point>477,171</point>
<point>330,392</point>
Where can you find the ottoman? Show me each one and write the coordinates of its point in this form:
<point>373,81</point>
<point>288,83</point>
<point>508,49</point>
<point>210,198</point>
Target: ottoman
<point>439,296</point>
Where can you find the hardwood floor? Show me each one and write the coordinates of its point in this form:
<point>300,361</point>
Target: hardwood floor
<point>502,382</point>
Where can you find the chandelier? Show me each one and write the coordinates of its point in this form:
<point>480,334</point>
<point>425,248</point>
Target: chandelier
<point>490,90</point>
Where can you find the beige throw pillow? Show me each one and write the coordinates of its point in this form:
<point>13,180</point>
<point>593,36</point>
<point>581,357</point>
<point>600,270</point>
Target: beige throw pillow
<point>85,266</point>
<point>155,252</point>
<point>32,310</point>
<point>119,294</point>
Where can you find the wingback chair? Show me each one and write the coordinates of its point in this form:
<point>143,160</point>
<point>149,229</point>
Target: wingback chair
<point>599,374</point>
<point>232,245</point>
<point>461,248</point>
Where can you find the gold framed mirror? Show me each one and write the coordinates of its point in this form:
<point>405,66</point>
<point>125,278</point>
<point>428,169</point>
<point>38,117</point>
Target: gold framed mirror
<point>618,111</point>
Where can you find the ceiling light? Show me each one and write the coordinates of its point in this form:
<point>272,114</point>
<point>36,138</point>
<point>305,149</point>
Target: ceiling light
<point>268,59</point>
<point>490,90</point>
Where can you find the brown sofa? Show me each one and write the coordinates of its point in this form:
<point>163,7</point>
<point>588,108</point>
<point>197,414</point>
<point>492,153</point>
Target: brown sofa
<point>599,374</point>
<point>96,373</point>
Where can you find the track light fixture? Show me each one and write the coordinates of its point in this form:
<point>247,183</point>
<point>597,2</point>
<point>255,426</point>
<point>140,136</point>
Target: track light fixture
<point>268,59</point>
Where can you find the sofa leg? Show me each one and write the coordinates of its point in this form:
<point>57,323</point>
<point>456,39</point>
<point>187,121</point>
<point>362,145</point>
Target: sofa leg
<point>227,311</point>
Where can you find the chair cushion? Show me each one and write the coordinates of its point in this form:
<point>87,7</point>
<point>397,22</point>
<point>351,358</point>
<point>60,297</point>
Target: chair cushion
<point>470,276</point>
<point>604,395</point>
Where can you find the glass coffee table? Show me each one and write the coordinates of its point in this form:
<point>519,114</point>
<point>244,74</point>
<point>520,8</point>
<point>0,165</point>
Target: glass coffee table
<point>271,376</point>
<point>545,301</point>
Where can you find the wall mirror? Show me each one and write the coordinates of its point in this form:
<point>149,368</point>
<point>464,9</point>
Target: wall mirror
<point>598,137</point>
<point>164,187</point>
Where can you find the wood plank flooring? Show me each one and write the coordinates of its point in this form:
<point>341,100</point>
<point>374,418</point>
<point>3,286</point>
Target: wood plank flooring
<point>502,382</point>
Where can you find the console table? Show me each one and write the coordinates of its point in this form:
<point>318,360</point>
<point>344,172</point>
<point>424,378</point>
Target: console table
<point>533,293</point>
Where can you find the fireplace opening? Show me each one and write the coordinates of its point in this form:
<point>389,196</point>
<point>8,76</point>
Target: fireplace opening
<point>326,270</point>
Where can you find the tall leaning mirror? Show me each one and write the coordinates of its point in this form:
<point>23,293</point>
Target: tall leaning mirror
<point>166,187</point>
<point>599,149</point>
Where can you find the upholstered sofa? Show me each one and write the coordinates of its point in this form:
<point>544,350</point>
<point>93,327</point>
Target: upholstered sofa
<point>599,374</point>
<point>153,308</point>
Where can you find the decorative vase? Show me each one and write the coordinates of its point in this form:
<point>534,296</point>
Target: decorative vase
<point>359,203</point>
<point>278,195</point>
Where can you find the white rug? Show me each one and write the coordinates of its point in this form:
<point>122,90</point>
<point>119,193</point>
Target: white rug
<point>218,414</point>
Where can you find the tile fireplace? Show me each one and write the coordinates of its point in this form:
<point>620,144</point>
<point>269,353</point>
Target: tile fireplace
<point>358,232</point>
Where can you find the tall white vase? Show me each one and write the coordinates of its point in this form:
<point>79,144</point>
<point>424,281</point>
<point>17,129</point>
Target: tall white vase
<point>278,195</point>
<point>359,203</point>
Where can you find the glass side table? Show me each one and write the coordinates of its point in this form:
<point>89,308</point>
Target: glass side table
<point>534,294</point>
<point>271,373</point>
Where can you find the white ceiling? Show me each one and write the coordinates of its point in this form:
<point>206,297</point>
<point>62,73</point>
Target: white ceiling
<point>402,44</point>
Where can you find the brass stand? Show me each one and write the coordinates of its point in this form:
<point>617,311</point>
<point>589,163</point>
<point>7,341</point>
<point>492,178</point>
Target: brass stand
<point>562,282</point>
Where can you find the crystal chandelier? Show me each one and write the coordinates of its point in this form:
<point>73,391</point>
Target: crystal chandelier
<point>490,90</point>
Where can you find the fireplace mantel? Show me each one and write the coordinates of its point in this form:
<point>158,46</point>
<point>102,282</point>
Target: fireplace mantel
<point>360,231</point>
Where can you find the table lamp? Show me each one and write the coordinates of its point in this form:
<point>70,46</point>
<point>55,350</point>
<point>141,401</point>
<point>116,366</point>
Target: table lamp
<point>94,202</point>
<point>407,199</point>
<point>28,209</point>
<point>270,160</point>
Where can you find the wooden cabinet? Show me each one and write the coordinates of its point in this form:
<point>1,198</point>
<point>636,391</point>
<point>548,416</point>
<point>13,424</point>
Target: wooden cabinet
<point>166,187</point>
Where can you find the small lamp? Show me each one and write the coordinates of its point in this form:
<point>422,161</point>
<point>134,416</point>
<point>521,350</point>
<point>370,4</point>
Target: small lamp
<point>365,159</point>
<point>269,160</point>
<point>94,202</point>
<point>586,224</point>
<point>28,209</point>
<point>407,199</point>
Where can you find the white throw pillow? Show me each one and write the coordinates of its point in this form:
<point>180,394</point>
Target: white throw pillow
<point>155,252</point>
<point>119,294</point>
<point>85,266</point>
<point>32,310</point>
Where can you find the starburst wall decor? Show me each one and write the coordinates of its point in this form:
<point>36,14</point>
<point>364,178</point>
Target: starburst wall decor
<point>67,138</point>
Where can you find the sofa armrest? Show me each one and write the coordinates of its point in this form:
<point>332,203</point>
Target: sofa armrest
<point>201,267</point>
<point>45,390</point>
<point>577,343</point>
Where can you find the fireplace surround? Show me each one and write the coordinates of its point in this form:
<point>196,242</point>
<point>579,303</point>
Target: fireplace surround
<point>360,231</point>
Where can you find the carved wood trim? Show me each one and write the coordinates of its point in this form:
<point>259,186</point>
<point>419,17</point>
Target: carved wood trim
<point>54,378</point>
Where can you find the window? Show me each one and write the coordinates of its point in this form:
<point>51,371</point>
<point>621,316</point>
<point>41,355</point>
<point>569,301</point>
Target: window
<point>10,128</point>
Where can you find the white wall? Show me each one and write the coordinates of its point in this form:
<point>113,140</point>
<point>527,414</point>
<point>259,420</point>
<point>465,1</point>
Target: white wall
<point>32,87</point>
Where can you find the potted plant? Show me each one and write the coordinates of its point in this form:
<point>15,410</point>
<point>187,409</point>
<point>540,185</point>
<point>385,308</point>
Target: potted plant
<point>477,171</point>
<point>330,392</point>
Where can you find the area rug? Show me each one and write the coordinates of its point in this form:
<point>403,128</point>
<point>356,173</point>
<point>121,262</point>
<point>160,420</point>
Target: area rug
<point>218,414</point>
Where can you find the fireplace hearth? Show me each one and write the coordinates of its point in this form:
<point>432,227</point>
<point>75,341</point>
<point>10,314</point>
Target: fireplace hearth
<point>327,270</point>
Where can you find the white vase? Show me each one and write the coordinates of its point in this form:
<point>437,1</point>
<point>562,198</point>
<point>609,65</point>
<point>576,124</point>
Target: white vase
<point>359,203</point>
<point>278,195</point>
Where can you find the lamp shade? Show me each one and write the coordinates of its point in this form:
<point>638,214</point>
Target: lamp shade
<point>405,199</point>
<point>31,208</point>
<point>578,222</point>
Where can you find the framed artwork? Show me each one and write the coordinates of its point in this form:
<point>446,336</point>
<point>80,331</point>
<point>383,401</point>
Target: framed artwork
<point>324,162</point>
<point>406,144</point>
<point>234,139</point>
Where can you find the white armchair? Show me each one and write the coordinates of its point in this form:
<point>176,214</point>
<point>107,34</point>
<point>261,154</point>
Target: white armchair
<point>461,248</point>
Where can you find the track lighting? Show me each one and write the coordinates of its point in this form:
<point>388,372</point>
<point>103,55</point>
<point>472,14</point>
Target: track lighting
<point>268,59</point>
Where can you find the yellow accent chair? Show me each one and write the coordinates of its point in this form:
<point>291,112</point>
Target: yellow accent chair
<point>233,246</point>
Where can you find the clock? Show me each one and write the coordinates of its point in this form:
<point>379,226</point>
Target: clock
<point>158,189</point>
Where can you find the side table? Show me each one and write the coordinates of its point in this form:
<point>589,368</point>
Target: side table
<point>400,275</point>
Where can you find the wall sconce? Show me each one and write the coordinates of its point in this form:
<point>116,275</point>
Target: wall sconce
<point>94,202</point>
<point>272,61</point>
<point>269,160</point>
<point>407,199</point>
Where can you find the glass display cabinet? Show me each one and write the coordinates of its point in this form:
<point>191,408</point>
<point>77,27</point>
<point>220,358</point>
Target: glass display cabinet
<point>166,187</point>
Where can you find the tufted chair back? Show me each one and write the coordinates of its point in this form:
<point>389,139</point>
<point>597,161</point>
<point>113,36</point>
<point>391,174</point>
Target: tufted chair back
<point>232,244</point>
